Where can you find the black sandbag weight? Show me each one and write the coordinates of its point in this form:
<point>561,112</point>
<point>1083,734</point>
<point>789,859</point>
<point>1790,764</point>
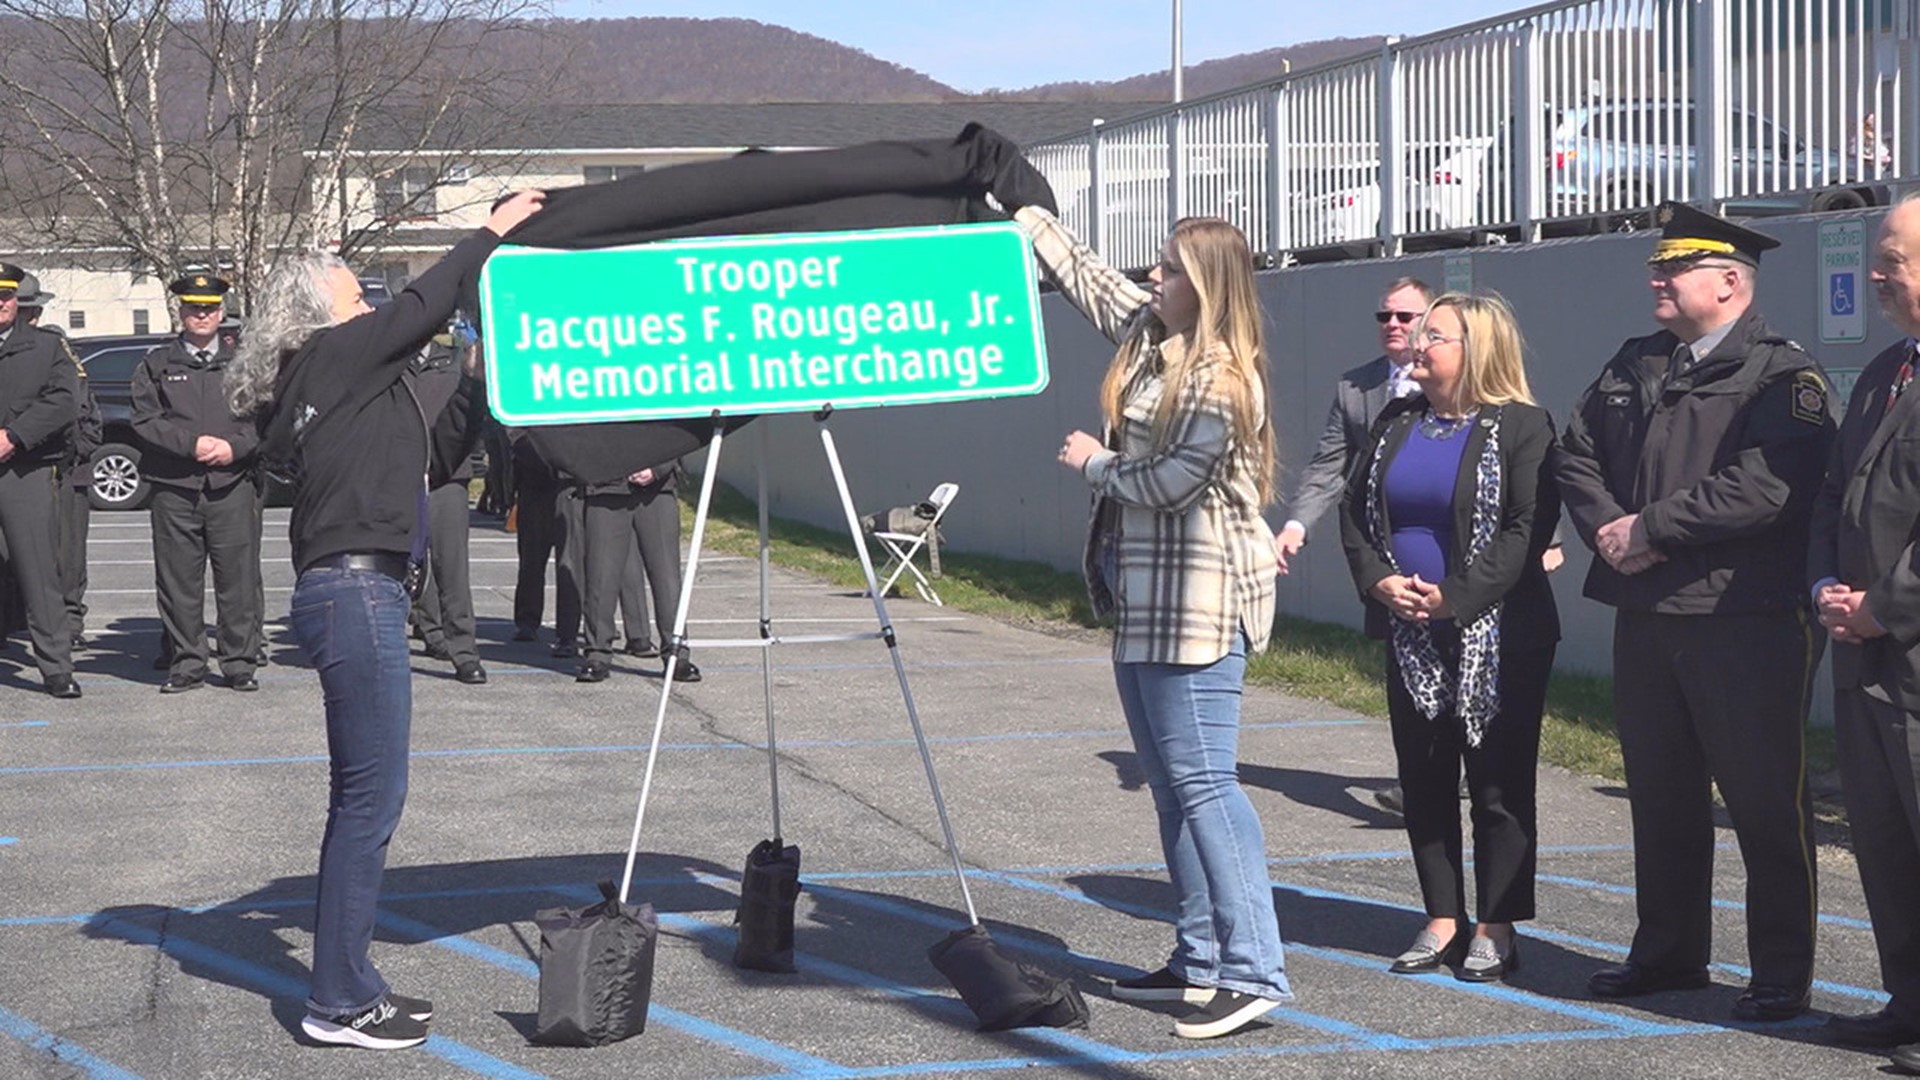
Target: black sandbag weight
<point>768,888</point>
<point>1004,993</point>
<point>596,971</point>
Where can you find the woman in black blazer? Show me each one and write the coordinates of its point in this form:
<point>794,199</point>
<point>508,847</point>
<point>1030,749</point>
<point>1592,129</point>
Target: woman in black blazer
<point>1446,516</point>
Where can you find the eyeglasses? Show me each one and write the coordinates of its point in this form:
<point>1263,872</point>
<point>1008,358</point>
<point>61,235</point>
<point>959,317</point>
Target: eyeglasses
<point>1404,318</point>
<point>1430,338</point>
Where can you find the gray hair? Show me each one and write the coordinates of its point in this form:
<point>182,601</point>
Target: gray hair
<point>295,304</point>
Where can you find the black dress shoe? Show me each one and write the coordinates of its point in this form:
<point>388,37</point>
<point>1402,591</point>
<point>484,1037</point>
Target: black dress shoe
<point>564,650</point>
<point>62,686</point>
<point>644,650</point>
<point>1427,954</point>
<point>436,650</point>
<point>1486,963</point>
<point>1906,1058</point>
<point>246,683</point>
<point>593,671</point>
<point>1771,1004</point>
<point>1873,1031</point>
<point>470,672</point>
<point>1633,980</point>
<point>80,641</point>
<point>180,684</point>
<point>686,671</point>
<point>526,633</point>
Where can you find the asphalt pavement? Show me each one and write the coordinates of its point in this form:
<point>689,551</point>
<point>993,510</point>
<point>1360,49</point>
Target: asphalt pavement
<point>157,857</point>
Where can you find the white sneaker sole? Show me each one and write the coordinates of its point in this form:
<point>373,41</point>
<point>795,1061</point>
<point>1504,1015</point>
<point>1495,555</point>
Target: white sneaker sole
<point>1189,995</point>
<point>1228,1024</point>
<point>327,1031</point>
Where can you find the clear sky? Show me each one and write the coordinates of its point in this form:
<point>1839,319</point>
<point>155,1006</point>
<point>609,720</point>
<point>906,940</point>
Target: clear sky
<point>976,45</point>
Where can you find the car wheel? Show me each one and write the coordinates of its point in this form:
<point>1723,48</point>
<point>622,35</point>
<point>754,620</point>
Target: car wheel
<point>1839,199</point>
<point>117,482</point>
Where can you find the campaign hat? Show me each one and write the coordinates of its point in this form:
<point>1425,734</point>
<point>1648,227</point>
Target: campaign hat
<point>200,288</point>
<point>1688,233</point>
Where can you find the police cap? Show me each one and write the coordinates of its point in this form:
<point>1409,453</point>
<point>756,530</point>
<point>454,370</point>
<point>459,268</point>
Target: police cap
<point>10,276</point>
<point>200,289</point>
<point>1687,233</point>
<point>30,294</point>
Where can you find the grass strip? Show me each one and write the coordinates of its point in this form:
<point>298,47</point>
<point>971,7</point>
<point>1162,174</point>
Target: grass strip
<point>1323,661</point>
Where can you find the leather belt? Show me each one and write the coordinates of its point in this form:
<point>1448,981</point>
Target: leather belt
<point>391,563</point>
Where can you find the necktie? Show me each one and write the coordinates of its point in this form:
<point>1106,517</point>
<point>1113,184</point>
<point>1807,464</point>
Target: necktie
<point>1682,359</point>
<point>1402,384</point>
<point>1902,377</point>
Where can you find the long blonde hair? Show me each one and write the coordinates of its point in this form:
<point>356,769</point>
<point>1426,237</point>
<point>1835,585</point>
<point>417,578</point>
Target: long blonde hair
<point>1493,367</point>
<point>1217,261</point>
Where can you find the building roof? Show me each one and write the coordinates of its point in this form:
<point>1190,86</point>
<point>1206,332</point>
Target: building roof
<point>794,125</point>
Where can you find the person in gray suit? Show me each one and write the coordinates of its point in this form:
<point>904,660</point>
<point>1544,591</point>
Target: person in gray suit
<point>1358,399</point>
<point>1867,593</point>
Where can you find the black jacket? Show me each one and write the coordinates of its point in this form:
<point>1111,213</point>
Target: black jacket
<point>176,399</point>
<point>458,404</point>
<point>1866,528</point>
<point>348,427</point>
<point>39,384</point>
<point>1721,462</point>
<point>1508,572</point>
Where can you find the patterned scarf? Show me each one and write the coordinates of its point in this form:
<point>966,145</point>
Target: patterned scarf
<point>1476,694</point>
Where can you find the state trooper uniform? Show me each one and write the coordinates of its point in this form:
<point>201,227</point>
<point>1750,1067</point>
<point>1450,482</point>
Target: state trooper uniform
<point>444,611</point>
<point>39,377</point>
<point>1719,445</point>
<point>205,510</point>
<point>74,478</point>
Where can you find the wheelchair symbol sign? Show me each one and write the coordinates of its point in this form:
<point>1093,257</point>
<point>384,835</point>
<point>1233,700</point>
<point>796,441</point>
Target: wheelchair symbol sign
<point>1840,296</point>
<point>1840,268</point>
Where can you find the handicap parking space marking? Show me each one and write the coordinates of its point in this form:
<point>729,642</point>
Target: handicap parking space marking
<point>45,1042</point>
<point>274,984</point>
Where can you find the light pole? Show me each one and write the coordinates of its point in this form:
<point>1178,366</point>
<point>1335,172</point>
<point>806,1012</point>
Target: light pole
<point>1178,66</point>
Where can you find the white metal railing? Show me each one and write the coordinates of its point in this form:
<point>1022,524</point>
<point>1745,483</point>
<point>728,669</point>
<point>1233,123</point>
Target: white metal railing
<point>1566,116</point>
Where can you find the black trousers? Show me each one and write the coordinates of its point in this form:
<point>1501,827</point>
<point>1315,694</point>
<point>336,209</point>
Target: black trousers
<point>191,529</point>
<point>76,515</point>
<point>1500,784</point>
<point>538,539</point>
<point>1706,699</point>
<point>1879,745</point>
<point>28,547</point>
<point>614,525</point>
<point>444,612</point>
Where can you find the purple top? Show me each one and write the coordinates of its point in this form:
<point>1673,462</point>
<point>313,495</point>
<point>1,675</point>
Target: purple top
<point>1419,498</point>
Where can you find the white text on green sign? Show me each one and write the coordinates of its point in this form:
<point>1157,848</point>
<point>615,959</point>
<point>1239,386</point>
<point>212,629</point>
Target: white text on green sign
<point>748,325</point>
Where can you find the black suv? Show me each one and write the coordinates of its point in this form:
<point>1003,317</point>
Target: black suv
<point>110,363</point>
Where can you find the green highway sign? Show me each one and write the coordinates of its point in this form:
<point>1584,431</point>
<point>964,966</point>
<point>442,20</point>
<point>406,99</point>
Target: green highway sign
<point>761,324</point>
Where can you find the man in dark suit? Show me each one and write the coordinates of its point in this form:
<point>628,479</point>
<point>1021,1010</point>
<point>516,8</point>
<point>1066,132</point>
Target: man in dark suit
<point>1690,467</point>
<point>1867,591</point>
<point>206,496</point>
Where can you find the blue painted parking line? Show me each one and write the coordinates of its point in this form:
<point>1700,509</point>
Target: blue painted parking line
<point>23,723</point>
<point>46,1042</point>
<point>797,1062</point>
<point>1725,905</point>
<point>641,748</point>
<point>272,983</point>
<point>5,840</point>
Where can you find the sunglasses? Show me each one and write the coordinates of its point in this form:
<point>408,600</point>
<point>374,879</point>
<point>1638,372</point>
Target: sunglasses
<point>1404,318</point>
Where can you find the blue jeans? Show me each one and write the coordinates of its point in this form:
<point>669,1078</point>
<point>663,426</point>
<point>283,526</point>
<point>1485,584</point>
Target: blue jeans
<point>1185,720</point>
<point>353,626</point>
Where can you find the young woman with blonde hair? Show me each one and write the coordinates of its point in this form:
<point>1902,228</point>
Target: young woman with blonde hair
<point>1446,516</point>
<point>1179,555</point>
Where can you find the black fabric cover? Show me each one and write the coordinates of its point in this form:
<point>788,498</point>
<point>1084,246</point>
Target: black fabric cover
<point>596,971</point>
<point>768,889</point>
<point>1003,993</point>
<point>874,185</point>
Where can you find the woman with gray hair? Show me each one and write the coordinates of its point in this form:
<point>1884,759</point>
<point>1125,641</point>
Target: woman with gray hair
<point>322,374</point>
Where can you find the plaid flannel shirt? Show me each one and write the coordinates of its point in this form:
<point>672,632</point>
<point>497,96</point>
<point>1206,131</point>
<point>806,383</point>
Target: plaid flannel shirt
<point>1195,562</point>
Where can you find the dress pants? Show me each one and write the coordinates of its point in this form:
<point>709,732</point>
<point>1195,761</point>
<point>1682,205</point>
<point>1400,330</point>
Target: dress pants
<point>193,527</point>
<point>27,547</point>
<point>1879,745</point>
<point>1500,786</point>
<point>352,624</point>
<point>614,525</point>
<point>1705,699</point>
<point>444,612</point>
<point>76,514</point>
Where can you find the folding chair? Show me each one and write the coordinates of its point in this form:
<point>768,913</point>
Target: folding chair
<point>902,547</point>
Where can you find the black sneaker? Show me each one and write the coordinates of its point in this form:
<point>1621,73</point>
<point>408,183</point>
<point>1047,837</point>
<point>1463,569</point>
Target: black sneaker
<point>379,1027</point>
<point>419,1008</point>
<point>1162,985</point>
<point>1228,1012</point>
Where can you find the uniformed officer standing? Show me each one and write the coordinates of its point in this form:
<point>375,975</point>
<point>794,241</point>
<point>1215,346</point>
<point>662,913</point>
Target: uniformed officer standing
<point>74,478</point>
<point>444,611</point>
<point>1690,467</point>
<point>206,496</point>
<point>38,379</point>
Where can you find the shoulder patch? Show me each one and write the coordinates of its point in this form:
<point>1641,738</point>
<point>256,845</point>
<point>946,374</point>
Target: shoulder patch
<point>1809,395</point>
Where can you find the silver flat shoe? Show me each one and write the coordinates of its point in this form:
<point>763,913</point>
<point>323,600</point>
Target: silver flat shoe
<point>1427,954</point>
<point>1485,964</point>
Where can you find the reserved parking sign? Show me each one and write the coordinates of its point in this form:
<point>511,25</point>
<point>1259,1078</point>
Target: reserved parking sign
<point>762,324</point>
<point>1840,275</point>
